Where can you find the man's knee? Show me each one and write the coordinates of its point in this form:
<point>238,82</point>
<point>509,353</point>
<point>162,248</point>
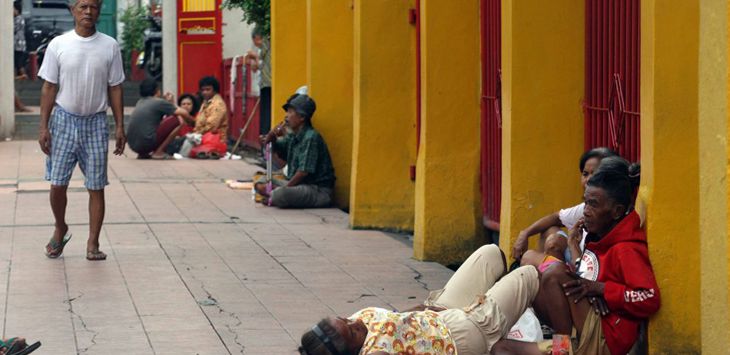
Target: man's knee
<point>492,253</point>
<point>279,197</point>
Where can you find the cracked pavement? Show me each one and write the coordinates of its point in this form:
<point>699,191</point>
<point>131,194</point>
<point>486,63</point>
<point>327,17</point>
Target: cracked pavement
<point>194,267</point>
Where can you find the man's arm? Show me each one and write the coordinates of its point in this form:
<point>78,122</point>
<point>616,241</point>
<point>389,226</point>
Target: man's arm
<point>48,98</point>
<point>115,101</point>
<point>297,178</point>
<point>181,112</point>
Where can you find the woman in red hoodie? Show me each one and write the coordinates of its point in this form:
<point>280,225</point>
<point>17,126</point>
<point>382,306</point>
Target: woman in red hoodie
<point>617,289</point>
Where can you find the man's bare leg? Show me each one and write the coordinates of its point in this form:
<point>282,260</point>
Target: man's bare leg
<point>160,151</point>
<point>96,219</point>
<point>58,206</point>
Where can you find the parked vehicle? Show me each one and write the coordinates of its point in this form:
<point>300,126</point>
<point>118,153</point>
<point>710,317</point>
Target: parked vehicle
<point>45,19</point>
<point>151,58</point>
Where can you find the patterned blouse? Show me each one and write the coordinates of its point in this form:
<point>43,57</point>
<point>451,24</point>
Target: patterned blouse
<point>405,333</point>
<point>213,117</point>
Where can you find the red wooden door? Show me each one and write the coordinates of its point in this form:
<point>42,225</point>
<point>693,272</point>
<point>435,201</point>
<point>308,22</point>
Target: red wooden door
<point>199,51</point>
<point>612,61</point>
<point>491,120</point>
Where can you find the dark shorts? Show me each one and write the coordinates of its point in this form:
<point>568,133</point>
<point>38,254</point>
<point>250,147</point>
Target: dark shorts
<point>20,58</point>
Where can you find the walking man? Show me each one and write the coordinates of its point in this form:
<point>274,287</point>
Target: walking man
<point>83,76</point>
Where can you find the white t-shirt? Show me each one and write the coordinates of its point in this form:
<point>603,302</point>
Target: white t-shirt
<point>84,68</point>
<point>570,216</point>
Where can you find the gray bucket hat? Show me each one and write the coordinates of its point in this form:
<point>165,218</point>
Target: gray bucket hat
<point>302,104</point>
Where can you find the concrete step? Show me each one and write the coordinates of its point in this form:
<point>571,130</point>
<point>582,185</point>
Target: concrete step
<point>29,92</point>
<point>26,125</point>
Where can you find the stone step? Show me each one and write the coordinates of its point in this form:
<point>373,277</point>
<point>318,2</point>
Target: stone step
<point>26,126</point>
<point>29,92</point>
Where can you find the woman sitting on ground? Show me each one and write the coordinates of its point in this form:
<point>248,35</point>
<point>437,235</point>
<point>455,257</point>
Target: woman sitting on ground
<point>190,103</point>
<point>617,292</point>
<point>474,310</point>
<point>553,240</point>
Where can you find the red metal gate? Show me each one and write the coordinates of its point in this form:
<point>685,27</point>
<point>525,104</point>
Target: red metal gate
<point>491,118</point>
<point>199,41</point>
<point>612,59</point>
<point>238,96</point>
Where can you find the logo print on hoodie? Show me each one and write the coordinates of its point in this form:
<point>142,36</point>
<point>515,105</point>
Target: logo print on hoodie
<point>589,266</point>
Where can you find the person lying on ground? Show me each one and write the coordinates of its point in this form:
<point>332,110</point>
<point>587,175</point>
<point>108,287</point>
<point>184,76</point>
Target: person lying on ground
<point>474,310</point>
<point>617,291</point>
<point>567,217</point>
<point>310,177</point>
<point>213,115</point>
<point>155,122</point>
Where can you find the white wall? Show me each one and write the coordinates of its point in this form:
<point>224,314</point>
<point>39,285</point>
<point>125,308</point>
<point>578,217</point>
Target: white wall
<point>7,110</point>
<point>236,34</point>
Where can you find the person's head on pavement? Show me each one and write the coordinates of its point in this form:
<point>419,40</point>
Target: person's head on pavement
<point>189,102</point>
<point>209,87</point>
<point>149,88</point>
<point>299,111</point>
<point>334,336</point>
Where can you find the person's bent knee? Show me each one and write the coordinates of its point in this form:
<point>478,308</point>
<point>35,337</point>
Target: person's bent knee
<point>278,197</point>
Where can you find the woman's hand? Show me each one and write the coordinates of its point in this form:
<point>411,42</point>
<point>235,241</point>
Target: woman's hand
<point>520,246</point>
<point>575,236</point>
<point>580,287</point>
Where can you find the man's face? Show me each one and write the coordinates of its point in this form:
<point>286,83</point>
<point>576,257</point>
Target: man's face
<point>293,119</point>
<point>86,13</point>
<point>258,41</point>
<point>207,92</point>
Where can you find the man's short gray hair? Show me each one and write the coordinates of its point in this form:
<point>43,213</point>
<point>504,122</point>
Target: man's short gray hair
<point>72,3</point>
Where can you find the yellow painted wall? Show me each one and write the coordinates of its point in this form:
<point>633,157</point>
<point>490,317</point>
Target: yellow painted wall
<point>384,139</point>
<point>448,210</point>
<point>670,168</point>
<point>542,121</point>
<point>329,75</point>
<point>713,187</point>
<point>288,52</point>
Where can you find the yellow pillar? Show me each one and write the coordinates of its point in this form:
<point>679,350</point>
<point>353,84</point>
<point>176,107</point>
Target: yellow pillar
<point>329,75</point>
<point>448,210</point>
<point>288,52</point>
<point>384,139</point>
<point>670,169</point>
<point>542,121</point>
<point>713,164</point>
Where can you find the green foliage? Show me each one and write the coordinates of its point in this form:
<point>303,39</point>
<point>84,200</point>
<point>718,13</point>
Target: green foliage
<point>135,22</point>
<point>257,12</point>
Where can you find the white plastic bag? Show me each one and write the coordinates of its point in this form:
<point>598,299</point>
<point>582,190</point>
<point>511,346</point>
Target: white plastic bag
<point>527,328</point>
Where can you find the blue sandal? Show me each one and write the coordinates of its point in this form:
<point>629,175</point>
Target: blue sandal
<point>54,249</point>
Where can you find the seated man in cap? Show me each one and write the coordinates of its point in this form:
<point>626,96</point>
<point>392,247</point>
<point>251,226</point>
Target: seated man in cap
<point>310,175</point>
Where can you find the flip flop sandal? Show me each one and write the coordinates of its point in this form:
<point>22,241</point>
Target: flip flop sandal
<point>56,248</point>
<point>96,255</point>
<point>26,350</point>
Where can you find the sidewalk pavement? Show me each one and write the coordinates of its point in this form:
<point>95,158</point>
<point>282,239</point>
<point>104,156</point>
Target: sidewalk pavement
<point>194,267</point>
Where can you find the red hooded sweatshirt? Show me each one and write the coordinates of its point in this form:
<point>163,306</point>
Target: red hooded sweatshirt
<point>621,261</point>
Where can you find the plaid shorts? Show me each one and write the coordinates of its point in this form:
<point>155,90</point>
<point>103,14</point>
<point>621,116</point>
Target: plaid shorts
<point>78,139</point>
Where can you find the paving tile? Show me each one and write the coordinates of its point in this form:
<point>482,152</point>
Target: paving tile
<point>194,267</point>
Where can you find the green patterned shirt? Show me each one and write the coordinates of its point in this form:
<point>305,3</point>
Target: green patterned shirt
<point>306,151</point>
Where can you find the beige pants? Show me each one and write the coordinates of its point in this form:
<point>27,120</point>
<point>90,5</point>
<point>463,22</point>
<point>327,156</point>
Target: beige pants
<point>592,341</point>
<point>480,309</point>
